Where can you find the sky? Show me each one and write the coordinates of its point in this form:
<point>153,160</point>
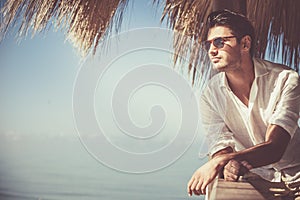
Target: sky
<point>126,102</point>
<point>37,76</point>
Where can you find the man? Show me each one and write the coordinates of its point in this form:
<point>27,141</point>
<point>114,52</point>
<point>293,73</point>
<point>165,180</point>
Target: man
<point>249,110</point>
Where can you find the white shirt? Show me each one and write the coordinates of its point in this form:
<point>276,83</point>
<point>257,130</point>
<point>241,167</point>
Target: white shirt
<point>274,99</point>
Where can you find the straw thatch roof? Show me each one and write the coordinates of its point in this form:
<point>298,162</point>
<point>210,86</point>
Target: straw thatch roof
<point>276,24</point>
<point>87,22</point>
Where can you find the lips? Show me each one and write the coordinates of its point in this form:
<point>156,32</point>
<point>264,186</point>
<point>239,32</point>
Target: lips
<point>215,59</point>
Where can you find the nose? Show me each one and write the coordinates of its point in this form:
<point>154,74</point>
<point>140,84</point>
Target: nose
<point>213,50</point>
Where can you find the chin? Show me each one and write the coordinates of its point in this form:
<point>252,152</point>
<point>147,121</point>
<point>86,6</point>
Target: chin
<point>219,67</point>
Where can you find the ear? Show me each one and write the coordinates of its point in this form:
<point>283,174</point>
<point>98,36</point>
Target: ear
<point>246,43</point>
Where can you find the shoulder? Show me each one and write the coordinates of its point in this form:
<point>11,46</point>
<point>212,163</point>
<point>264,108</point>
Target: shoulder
<point>214,84</point>
<point>277,71</point>
<point>216,81</point>
<point>214,92</point>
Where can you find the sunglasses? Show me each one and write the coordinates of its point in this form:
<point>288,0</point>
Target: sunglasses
<point>217,42</point>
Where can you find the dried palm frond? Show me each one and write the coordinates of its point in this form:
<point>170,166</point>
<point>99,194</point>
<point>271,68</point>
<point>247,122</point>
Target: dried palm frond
<point>85,22</point>
<point>277,29</point>
<point>275,22</point>
<point>184,17</point>
<point>89,21</point>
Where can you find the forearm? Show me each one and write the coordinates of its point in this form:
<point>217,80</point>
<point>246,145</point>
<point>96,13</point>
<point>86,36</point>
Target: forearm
<point>267,152</point>
<point>226,150</point>
<point>258,155</point>
<point>223,151</point>
<point>262,154</point>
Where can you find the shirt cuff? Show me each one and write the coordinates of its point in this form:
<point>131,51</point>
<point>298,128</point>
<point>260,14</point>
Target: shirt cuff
<point>221,145</point>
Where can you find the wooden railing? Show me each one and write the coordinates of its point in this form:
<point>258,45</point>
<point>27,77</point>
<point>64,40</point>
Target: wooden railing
<point>251,188</point>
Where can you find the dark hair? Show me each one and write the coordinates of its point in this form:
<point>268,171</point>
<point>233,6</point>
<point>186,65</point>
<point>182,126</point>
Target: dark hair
<point>238,23</point>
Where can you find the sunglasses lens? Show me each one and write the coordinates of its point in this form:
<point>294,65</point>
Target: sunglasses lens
<point>207,45</point>
<point>218,42</point>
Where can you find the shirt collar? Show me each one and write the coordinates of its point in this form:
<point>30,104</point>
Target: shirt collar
<point>224,82</point>
<point>259,67</point>
<point>259,71</point>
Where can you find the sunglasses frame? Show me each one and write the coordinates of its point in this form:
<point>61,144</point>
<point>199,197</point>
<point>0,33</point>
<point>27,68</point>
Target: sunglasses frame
<point>218,42</point>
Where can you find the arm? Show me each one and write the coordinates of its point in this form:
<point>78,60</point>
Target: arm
<point>219,139</point>
<point>223,151</point>
<point>267,152</point>
<point>233,169</point>
<point>262,154</point>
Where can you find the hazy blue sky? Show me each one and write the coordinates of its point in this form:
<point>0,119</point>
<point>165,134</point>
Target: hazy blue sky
<point>37,76</point>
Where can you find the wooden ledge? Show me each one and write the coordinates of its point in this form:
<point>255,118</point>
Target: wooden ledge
<point>253,188</point>
<point>221,189</point>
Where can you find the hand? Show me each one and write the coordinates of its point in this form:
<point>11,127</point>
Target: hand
<point>205,174</point>
<point>233,169</point>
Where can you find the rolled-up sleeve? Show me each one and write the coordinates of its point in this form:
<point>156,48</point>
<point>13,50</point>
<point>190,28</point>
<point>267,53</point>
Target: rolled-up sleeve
<point>286,112</point>
<point>216,133</point>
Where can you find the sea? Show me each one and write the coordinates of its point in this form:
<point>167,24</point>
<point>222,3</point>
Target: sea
<point>59,168</point>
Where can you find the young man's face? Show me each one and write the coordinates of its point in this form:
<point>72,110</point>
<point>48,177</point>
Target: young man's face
<point>226,55</point>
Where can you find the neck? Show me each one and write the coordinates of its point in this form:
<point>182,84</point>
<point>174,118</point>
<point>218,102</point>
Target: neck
<point>242,76</point>
<point>240,80</point>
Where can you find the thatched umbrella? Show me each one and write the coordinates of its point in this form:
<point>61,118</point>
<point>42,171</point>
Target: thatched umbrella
<point>276,24</point>
<point>87,22</point>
